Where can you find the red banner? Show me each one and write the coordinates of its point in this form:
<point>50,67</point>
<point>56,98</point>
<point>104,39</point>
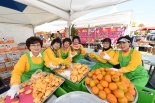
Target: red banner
<point>100,33</point>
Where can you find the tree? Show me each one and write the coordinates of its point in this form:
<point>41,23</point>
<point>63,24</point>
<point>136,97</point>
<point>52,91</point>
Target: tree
<point>74,31</point>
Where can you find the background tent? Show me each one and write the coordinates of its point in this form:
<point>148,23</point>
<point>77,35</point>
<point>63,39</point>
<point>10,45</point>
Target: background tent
<point>30,13</point>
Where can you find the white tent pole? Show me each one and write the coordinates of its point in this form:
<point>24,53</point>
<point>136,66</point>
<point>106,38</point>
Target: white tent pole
<point>89,36</point>
<point>46,7</point>
<point>68,28</point>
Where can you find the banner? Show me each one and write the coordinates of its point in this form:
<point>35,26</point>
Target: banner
<point>100,33</point>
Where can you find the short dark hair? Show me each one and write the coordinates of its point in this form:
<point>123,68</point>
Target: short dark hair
<point>33,40</point>
<point>76,37</point>
<point>56,40</point>
<point>67,40</point>
<point>106,40</point>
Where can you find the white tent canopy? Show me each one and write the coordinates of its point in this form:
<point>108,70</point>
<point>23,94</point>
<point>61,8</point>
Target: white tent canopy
<point>37,12</point>
<point>123,17</point>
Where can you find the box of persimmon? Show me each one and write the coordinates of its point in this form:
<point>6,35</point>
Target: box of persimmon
<point>75,73</point>
<point>38,89</point>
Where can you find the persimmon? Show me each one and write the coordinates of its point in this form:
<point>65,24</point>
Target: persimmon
<point>102,95</point>
<point>111,98</point>
<point>112,86</point>
<point>95,90</point>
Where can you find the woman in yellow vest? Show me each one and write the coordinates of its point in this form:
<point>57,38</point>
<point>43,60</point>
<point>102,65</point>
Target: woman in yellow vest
<point>77,48</point>
<point>130,61</point>
<point>28,64</point>
<point>103,63</point>
<point>65,52</point>
<point>51,57</point>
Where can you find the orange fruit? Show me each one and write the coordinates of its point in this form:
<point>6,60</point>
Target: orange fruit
<point>95,90</point>
<point>132,91</point>
<point>103,73</point>
<point>107,78</point>
<point>102,95</point>
<point>87,80</point>
<point>118,93</point>
<point>122,100</point>
<point>97,71</point>
<point>112,86</point>
<point>74,79</point>
<point>131,86</point>
<point>129,97</point>
<point>107,90</point>
<point>104,83</point>
<point>99,76</point>
<point>96,81</point>
<point>21,90</point>
<point>90,74</point>
<point>94,77</point>
<point>122,86</point>
<point>28,91</point>
<point>99,86</point>
<point>92,83</point>
<point>111,98</point>
<point>115,78</point>
<point>102,53</point>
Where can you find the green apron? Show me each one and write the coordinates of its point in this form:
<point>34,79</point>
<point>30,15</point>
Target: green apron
<point>77,57</point>
<point>63,54</point>
<point>102,65</point>
<point>139,76</point>
<point>33,68</point>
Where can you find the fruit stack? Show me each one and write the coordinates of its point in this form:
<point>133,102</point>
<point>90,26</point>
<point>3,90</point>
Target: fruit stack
<point>110,85</point>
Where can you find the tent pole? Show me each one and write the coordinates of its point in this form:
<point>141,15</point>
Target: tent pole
<point>89,36</point>
<point>33,30</point>
<point>68,32</point>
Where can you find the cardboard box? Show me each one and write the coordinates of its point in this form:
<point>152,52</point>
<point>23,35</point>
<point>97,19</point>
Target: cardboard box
<point>16,55</point>
<point>9,56</point>
<point>5,74</point>
<point>14,62</point>
<point>2,48</point>
<point>2,67</point>
<point>3,58</point>
<point>9,65</point>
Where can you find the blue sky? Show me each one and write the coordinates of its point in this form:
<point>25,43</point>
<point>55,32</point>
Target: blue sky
<point>143,11</point>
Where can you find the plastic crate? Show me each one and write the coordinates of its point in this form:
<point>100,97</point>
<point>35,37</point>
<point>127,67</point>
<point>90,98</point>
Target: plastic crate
<point>145,95</point>
<point>59,92</point>
<point>70,86</point>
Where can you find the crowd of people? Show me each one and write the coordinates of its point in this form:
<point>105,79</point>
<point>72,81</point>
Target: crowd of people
<point>126,60</point>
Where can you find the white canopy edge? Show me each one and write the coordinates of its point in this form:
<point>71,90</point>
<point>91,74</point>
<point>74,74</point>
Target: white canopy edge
<point>123,17</point>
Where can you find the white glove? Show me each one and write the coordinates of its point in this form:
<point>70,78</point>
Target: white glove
<point>115,69</point>
<point>106,56</point>
<point>99,51</point>
<point>71,56</point>
<point>52,66</point>
<point>12,91</point>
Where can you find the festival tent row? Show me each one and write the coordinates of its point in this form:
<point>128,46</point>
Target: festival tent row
<point>19,17</point>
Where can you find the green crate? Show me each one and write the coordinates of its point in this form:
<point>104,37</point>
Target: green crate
<point>145,95</point>
<point>59,92</point>
<point>70,86</point>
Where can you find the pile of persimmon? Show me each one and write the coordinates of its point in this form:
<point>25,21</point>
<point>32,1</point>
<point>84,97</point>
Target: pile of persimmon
<point>111,85</point>
<point>41,86</point>
<point>78,71</point>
